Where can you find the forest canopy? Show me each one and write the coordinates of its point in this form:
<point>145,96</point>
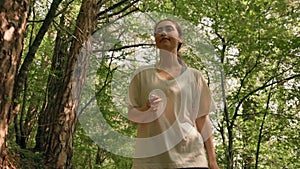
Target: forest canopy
<point>61,59</point>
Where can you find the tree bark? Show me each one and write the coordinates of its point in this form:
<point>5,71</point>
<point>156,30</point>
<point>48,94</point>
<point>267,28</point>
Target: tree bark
<point>59,115</point>
<point>13,20</point>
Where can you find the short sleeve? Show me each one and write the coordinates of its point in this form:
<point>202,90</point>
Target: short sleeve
<point>134,92</point>
<point>206,102</point>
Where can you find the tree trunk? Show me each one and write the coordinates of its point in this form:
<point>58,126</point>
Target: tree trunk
<point>23,72</point>
<point>100,156</point>
<point>54,84</point>
<point>13,19</point>
<point>59,115</point>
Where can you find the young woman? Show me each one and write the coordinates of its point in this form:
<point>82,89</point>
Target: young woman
<point>171,104</point>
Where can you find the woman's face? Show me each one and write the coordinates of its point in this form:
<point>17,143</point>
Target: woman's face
<point>167,36</point>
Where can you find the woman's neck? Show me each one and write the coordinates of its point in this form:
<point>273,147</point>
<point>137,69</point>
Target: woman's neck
<point>168,60</point>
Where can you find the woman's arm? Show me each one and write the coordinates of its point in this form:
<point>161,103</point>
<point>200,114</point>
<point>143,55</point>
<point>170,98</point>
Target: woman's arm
<point>145,114</point>
<point>204,127</point>
<point>140,115</point>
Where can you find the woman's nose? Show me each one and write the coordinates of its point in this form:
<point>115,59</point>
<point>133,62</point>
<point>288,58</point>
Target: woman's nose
<point>163,32</point>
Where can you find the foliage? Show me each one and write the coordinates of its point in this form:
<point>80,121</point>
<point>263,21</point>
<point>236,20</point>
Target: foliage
<point>257,45</point>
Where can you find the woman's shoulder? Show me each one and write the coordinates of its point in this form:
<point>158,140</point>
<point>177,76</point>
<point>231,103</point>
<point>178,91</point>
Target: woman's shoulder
<point>143,69</point>
<point>199,77</point>
<point>197,73</point>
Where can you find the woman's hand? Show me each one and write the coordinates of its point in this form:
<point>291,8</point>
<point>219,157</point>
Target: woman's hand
<point>153,109</point>
<point>154,103</point>
<point>213,165</point>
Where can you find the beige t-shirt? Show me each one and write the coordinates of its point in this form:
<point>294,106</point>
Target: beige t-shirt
<point>171,140</point>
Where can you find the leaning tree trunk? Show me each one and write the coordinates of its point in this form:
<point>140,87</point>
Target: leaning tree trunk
<point>13,19</point>
<point>54,83</point>
<point>25,67</point>
<point>61,116</point>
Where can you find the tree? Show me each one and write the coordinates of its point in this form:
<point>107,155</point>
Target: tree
<point>25,67</point>
<point>13,25</point>
<point>59,118</point>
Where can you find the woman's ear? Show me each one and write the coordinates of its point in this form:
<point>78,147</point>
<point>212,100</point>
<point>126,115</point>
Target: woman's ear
<point>180,40</point>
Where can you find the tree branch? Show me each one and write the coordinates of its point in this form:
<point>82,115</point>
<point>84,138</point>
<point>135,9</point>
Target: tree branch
<point>118,12</point>
<point>114,6</point>
<point>123,47</point>
<point>258,89</point>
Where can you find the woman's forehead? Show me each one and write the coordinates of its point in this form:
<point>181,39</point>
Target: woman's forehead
<point>165,23</point>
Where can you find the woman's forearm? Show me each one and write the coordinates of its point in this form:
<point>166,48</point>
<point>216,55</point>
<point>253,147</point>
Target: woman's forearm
<point>153,109</point>
<point>210,150</point>
<point>141,115</point>
<point>204,127</point>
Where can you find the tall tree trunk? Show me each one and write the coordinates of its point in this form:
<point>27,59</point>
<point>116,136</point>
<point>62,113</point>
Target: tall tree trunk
<point>54,85</point>
<point>262,128</point>
<point>227,120</point>
<point>59,115</point>
<point>24,69</point>
<point>13,20</point>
